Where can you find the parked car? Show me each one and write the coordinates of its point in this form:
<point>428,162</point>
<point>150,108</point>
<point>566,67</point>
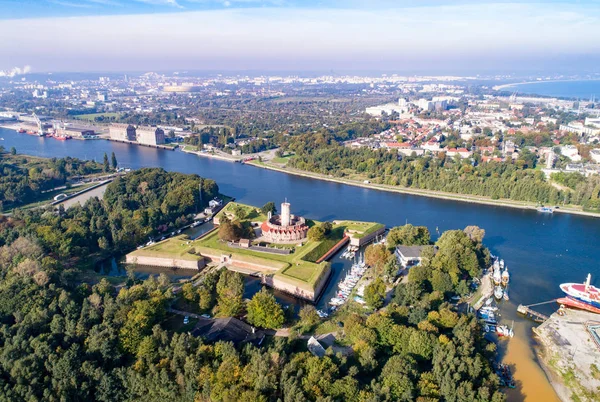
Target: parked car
<point>205,316</point>
<point>186,320</point>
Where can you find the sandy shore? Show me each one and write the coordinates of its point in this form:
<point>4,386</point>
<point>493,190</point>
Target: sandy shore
<point>423,193</point>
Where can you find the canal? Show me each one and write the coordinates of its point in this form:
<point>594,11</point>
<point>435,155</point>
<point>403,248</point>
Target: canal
<point>541,250</point>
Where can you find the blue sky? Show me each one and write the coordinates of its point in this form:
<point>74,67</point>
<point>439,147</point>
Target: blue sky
<point>402,35</point>
<point>11,9</point>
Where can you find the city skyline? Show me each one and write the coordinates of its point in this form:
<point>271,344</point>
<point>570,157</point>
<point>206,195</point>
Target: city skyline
<point>461,36</point>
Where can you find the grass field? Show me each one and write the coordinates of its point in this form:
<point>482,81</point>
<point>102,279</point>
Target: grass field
<point>252,213</point>
<point>360,229</point>
<point>283,160</point>
<point>92,116</point>
<point>175,247</point>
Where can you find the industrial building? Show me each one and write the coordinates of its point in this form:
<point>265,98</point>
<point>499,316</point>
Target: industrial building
<point>122,132</point>
<point>150,135</point>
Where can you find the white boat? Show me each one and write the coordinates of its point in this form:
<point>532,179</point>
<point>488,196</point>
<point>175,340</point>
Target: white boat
<point>498,292</point>
<point>497,277</point>
<point>489,301</point>
<point>505,277</point>
<point>505,295</point>
<point>322,314</point>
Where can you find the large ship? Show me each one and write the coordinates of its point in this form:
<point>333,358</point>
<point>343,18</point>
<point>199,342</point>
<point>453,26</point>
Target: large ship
<point>583,292</point>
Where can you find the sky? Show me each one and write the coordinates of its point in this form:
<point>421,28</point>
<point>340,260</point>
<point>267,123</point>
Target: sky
<point>414,36</point>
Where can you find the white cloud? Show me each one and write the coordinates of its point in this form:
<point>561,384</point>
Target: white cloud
<point>292,38</point>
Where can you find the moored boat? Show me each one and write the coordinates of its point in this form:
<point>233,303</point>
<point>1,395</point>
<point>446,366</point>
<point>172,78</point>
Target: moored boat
<point>583,292</point>
<point>505,277</point>
<point>498,292</point>
<point>545,210</point>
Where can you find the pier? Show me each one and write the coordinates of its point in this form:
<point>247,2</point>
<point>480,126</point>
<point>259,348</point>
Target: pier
<point>532,314</point>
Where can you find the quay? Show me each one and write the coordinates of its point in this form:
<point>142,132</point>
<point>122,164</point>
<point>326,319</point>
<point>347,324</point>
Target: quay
<point>570,348</point>
<point>144,145</point>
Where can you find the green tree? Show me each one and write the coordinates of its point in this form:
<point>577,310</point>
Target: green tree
<point>113,158</point>
<point>264,311</point>
<point>408,235</point>
<point>230,290</point>
<point>13,150</point>
<point>269,207</point>
<point>316,233</point>
<point>105,165</point>
<point>375,293</point>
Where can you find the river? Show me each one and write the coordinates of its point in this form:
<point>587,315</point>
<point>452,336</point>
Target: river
<point>541,250</point>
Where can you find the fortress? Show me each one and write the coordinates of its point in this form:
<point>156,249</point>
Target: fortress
<point>284,227</point>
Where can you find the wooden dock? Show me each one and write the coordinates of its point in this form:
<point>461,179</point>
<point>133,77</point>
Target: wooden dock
<point>532,314</point>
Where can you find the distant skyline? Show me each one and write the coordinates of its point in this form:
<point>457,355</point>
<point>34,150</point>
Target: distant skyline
<point>431,36</point>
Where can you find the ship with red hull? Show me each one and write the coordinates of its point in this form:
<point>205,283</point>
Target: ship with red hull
<point>583,293</point>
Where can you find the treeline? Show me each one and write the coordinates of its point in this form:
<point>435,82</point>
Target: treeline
<point>321,153</point>
<point>23,178</point>
<point>136,206</point>
<point>60,341</point>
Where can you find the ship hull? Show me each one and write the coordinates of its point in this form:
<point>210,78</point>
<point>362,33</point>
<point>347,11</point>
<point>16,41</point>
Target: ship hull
<point>576,291</point>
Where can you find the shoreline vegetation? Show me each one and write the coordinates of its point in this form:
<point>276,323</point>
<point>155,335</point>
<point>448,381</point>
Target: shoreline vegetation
<point>424,193</point>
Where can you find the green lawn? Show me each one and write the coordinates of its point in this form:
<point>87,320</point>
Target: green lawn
<point>174,247</point>
<point>282,160</point>
<point>361,229</point>
<point>252,213</point>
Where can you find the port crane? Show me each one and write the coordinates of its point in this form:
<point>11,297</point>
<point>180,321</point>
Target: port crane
<point>39,125</point>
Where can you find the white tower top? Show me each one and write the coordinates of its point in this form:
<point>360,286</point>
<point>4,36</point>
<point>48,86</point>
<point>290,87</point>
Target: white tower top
<point>285,214</point>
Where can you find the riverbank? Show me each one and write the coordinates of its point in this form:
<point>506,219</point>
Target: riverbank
<point>569,355</point>
<point>210,155</point>
<point>423,193</point>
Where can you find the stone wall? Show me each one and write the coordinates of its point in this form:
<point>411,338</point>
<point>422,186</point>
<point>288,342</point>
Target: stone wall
<point>164,262</point>
<point>359,242</point>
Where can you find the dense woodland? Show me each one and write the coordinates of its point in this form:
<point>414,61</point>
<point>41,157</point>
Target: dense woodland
<point>322,153</point>
<point>23,178</point>
<point>62,339</point>
<point>136,206</point>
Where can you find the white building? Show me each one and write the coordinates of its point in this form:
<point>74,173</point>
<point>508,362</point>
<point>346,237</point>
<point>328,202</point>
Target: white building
<point>571,152</point>
<point>595,155</point>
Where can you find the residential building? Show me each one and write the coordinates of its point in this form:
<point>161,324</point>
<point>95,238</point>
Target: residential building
<point>409,255</point>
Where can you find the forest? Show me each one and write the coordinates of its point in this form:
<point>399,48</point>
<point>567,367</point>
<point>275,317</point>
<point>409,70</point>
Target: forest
<point>64,339</point>
<point>23,178</point>
<point>139,205</point>
<point>322,153</point>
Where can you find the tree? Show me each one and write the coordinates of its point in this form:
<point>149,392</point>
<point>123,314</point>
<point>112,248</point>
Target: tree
<point>268,207</point>
<point>228,230</point>
<point>105,165</point>
<point>13,150</point>
<point>113,158</point>
<point>316,233</point>
<point>230,290</point>
<point>408,235</point>
<point>308,317</point>
<point>239,212</point>
<point>375,293</point>
<point>376,256</point>
<point>264,311</point>
<point>327,228</point>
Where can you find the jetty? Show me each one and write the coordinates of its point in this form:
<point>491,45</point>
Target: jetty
<point>528,312</point>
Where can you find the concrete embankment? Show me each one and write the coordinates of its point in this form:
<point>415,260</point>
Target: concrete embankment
<point>570,354</point>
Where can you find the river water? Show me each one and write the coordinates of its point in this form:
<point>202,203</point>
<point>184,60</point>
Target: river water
<point>541,250</point>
